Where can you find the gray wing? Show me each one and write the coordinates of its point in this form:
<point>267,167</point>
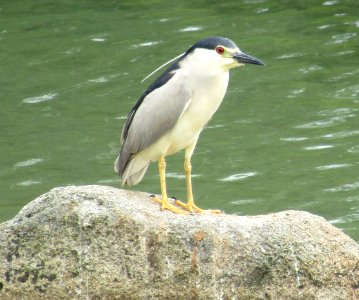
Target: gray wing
<point>157,114</point>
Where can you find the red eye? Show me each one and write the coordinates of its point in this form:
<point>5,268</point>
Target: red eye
<point>220,50</point>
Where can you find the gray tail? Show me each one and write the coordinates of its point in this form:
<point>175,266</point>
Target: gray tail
<point>134,170</point>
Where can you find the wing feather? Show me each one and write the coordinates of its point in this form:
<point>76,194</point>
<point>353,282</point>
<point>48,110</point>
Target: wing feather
<point>157,113</point>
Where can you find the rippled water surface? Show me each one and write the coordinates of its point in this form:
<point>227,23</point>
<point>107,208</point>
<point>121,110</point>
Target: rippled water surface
<point>286,136</point>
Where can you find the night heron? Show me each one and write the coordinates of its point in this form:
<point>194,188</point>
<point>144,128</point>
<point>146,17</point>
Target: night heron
<point>172,112</point>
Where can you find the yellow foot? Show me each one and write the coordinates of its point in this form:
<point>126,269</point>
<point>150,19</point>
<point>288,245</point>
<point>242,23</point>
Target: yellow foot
<point>166,205</point>
<point>191,207</point>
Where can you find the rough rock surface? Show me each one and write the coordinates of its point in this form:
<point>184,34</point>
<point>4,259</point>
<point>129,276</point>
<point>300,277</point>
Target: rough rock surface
<point>97,242</point>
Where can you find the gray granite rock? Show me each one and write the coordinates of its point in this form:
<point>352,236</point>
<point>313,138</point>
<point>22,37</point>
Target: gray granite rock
<point>98,242</point>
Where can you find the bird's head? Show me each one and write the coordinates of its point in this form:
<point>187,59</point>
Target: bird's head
<point>207,57</point>
<point>216,54</point>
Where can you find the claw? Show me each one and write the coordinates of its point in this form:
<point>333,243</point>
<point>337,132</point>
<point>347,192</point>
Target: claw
<point>191,207</point>
<point>166,205</point>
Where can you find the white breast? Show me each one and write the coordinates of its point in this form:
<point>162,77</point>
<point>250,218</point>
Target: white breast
<point>207,95</point>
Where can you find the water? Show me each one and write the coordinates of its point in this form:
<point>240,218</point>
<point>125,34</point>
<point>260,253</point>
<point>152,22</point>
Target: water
<point>286,136</point>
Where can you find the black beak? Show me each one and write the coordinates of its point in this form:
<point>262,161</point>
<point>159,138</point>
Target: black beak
<point>246,59</point>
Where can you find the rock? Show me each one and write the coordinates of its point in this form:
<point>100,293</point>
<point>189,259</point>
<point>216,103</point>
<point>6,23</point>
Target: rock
<point>97,242</point>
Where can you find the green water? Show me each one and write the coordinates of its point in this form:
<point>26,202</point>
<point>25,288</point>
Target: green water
<point>286,136</point>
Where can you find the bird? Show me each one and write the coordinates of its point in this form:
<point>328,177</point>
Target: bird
<point>173,111</point>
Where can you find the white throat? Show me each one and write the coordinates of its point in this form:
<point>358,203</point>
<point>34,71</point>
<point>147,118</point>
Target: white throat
<point>205,63</point>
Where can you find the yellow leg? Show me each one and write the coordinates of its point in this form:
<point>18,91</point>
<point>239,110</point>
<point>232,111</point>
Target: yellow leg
<point>164,199</point>
<point>190,206</point>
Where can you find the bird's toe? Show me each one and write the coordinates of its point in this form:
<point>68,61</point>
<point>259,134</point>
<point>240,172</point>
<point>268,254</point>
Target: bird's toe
<point>168,206</point>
